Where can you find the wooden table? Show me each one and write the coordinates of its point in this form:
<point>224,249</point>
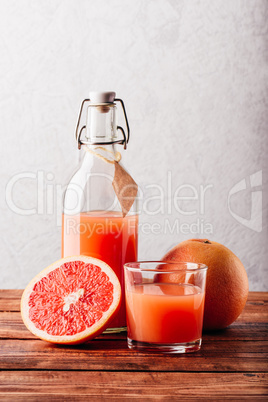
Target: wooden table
<point>232,363</point>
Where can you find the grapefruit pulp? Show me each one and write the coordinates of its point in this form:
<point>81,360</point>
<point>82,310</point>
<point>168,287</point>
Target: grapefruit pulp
<point>71,301</point>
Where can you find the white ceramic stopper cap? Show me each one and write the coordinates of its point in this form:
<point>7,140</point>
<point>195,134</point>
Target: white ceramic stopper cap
<point>101,97</point>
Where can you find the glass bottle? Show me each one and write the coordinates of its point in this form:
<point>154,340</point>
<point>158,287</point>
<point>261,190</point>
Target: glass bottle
<point>93,222</point>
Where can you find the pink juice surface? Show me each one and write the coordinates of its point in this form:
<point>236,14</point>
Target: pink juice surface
<point>164,313</point>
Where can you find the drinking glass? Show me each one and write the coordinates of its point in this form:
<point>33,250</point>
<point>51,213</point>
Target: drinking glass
<point>165,305</point>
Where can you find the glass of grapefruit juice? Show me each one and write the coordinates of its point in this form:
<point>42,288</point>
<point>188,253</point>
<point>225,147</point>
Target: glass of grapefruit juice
<point>165,305</point>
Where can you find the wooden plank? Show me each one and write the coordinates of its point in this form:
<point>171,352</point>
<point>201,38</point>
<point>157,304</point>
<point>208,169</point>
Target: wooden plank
<point>10,299</point>
<point>254,312</point>
<point>12,326</point>
<point>252,324</point>
<point>10,293</point>
<point>99,354</point>
<point>258,296</point>
<point>254,318</point>
<point>9,304</point>
<point>118,385</point>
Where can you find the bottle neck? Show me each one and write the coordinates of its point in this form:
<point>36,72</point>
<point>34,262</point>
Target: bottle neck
<point>101,124</point>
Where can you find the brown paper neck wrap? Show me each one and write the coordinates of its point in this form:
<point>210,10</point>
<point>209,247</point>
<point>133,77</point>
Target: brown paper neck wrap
<point>125,187</point>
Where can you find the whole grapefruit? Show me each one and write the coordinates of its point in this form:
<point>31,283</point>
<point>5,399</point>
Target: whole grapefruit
<point>227,281</point>
<point>71,301</point>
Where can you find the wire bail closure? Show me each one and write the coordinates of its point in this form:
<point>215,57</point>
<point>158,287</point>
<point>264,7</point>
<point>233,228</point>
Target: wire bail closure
<point>78,133</point>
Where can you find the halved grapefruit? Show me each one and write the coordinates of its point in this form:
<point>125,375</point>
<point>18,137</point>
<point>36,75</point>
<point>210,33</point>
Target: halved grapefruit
<point>71,301</point>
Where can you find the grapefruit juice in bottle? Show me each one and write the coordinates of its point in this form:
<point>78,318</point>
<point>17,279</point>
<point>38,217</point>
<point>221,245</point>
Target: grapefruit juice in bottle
<point>100,206</point>
<point>105,235</point>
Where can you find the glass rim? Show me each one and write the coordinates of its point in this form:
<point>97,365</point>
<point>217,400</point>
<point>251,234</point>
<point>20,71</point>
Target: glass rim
<point>198,266</point>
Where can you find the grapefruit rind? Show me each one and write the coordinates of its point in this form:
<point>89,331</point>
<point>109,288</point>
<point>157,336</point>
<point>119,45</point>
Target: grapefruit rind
<point>92,331</point>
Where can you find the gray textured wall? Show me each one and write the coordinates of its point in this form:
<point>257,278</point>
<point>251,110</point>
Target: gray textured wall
<point>193,75</point>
